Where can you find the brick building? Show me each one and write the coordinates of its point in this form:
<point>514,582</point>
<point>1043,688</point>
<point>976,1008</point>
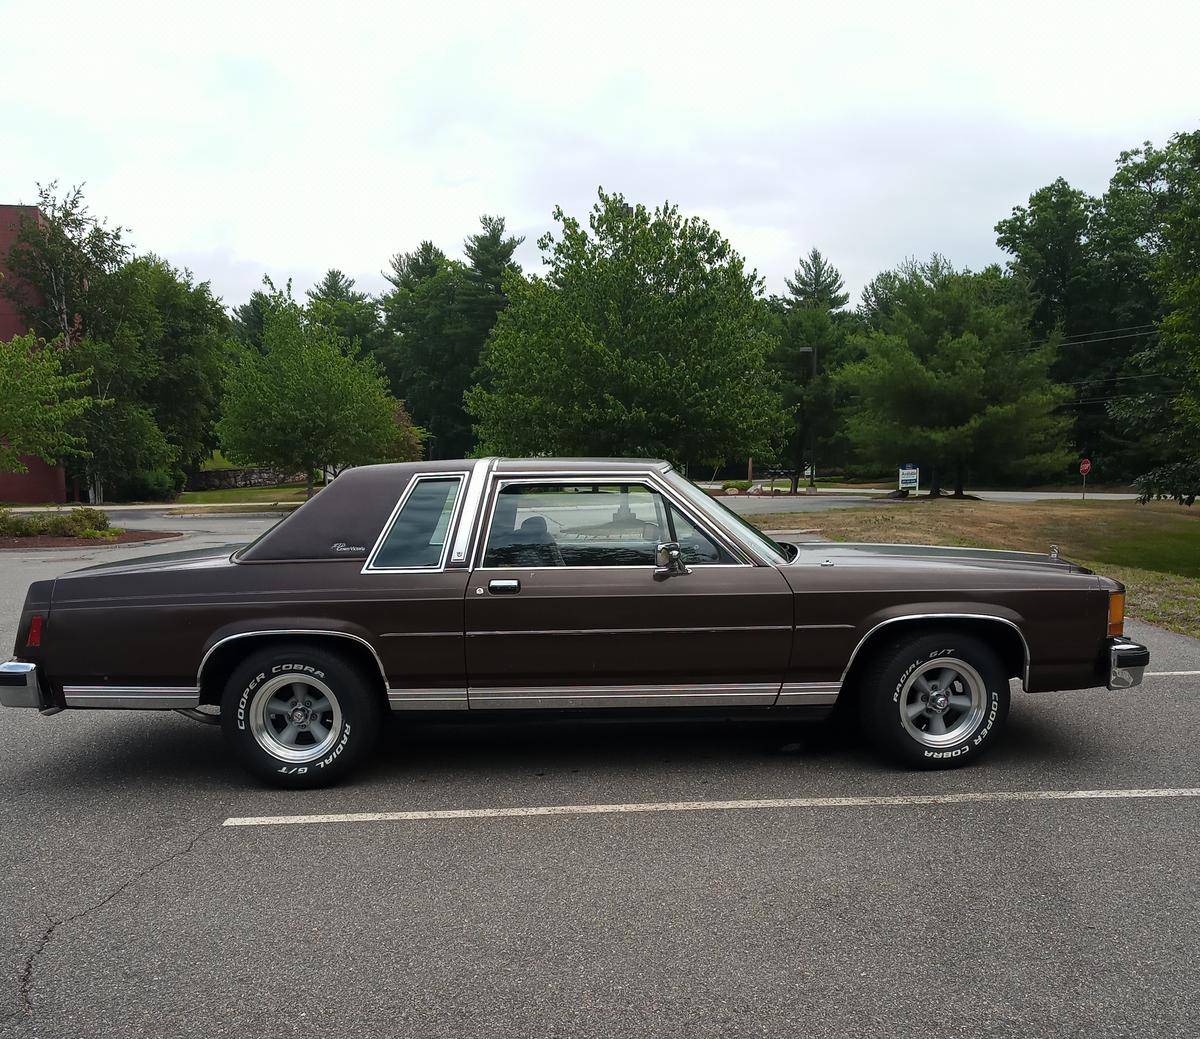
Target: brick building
<point>42,482</point>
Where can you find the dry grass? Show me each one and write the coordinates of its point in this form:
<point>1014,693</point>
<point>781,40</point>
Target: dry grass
<point>1153,549</point>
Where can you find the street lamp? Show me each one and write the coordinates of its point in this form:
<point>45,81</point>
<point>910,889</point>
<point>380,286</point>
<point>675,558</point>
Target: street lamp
<point>812,431</point>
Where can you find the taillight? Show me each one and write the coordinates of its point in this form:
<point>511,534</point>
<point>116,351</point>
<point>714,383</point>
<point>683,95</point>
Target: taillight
<point>1116,613</point>
<point>34,639</point>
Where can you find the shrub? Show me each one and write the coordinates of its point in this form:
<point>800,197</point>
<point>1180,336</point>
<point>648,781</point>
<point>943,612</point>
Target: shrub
<point>150,485</point>
<point>69,524</point>
<point>14,525</point>
<point>736,485</point>
<point>100,535</point>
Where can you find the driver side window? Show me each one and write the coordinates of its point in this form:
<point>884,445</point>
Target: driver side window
<point>588,524</point>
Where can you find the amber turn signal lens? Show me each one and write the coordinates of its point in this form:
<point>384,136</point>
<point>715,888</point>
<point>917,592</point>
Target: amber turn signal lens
<point>34,638</point>
<point>1116,613</point>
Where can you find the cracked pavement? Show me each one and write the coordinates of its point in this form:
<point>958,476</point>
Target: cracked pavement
<point>129,910</point>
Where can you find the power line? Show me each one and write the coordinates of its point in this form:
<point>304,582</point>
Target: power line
<point>1122,396</point>
<point>1089,342</point>
<point>1105,331</point>
<point>1116,378</point>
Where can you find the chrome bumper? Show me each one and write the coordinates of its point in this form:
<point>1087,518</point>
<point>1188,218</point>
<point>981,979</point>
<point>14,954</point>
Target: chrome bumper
<point>1127,662</point>
<point>19,684</point>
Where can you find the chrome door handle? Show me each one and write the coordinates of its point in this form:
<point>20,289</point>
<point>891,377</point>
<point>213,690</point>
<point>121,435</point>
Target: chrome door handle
<point>504,587</point>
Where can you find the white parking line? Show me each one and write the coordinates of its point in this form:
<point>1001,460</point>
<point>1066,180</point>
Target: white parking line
<point>714,806</point>
<point>1168,674</point>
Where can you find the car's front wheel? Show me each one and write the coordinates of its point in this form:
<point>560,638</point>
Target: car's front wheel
<point>935,700</point>
<point>300,716</point>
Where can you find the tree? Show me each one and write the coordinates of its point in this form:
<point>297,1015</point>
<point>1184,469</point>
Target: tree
<point>646,336</point>
<point>247,318</point>
<point>817,284</point>
<point>1051,246</point>
<point>63,263</point>
<point>352,315</point>
<point>439,314</point>
<point>1088,263</point>
<point>307,400</point>
<point>410,269</point>
<point>948,377</point>
<point>184,330</point>
<point>42,403</point>
<point>146,338</point>
<point>1168,181</point>
<point>811,329</point>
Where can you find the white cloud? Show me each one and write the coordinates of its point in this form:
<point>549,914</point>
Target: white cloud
<point>288,138</point>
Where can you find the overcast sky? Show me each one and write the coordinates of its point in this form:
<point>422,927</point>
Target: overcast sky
<point>244,138</point>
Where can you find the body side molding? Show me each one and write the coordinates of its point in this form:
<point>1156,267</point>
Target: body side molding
<point>132,697</point>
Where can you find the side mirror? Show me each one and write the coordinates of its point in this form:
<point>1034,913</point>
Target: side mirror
<point>668,560</point>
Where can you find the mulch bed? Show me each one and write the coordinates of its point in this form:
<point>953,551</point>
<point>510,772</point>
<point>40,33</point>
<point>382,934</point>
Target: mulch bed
<point>126,537</point>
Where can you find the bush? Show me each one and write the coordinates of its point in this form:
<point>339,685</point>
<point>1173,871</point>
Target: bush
<point>100,535</point>
<point>13,525</point>
<point>73,523</point>
<point>736,485</point>
<point>150,485</point>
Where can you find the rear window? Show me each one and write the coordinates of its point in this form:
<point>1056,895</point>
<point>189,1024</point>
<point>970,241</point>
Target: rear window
<point>419,531</point>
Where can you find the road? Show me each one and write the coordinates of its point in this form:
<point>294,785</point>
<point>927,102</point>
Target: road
<point>129,909</point>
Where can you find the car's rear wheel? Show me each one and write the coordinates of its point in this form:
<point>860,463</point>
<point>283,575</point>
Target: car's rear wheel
<point>936,700</point>
<point>300,716</point>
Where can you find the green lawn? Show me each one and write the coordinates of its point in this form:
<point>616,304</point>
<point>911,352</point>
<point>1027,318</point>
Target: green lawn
<point>1154,549</point>
<point>284,492</point>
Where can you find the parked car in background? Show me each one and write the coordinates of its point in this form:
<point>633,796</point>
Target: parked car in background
<point>549,584</point>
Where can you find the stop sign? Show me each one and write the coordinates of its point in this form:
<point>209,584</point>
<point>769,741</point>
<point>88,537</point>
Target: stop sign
<point>1085,466</point>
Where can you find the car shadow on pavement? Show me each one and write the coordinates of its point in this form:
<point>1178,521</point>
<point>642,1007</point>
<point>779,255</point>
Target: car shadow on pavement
<point>113,752</point>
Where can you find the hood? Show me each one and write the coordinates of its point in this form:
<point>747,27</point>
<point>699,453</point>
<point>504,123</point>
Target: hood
<point>924,556</point>
<point>193,559</point>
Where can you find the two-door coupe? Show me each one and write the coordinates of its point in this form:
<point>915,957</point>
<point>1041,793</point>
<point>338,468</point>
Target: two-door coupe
<point>501,584</point>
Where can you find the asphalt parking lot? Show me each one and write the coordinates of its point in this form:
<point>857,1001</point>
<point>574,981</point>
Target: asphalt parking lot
<point>129,908</point>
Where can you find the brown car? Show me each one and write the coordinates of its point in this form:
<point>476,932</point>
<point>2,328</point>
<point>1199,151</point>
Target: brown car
<point>501,584</point>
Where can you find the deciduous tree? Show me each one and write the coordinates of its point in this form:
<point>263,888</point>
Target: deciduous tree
<point>1169,180</point>
<point>42,403</point>
<point>307,400</point>
<point>646,336</point>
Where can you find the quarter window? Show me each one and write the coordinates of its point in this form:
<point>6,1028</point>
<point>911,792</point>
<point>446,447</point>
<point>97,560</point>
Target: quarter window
<point>589,524</point>
<point>417,536</point>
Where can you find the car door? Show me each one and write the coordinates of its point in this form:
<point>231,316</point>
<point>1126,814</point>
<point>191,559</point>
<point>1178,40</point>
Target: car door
<point>567,609</point>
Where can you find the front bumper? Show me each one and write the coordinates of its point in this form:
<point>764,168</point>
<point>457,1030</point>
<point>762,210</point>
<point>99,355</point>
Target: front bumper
<point>1127,662</point>
<point>19,686</point>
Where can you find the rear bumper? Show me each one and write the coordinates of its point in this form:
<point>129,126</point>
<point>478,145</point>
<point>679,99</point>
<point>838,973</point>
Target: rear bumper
<point>1127,662</point>
<point>19,685</point>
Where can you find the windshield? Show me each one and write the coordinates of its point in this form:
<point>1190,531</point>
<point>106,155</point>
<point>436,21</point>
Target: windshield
<point>726,518</point>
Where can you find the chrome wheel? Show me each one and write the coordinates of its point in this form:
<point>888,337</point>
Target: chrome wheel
<point>942,702</point>
<point>295,718</point>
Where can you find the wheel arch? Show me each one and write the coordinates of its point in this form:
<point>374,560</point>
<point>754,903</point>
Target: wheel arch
<point>1004,634</point>
<point>224,652</point>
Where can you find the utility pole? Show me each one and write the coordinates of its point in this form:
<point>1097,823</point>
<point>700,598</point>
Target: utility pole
<point>812,426</point>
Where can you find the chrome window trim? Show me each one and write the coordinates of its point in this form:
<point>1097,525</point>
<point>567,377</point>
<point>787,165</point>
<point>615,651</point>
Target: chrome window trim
<point>286,631</point>
<point>369,566</point>
<point>942,616</point>
<point>468,521</point>
<point>648,479</point>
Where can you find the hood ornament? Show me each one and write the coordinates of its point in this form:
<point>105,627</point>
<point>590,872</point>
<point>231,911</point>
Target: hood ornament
<point>1054,551</point>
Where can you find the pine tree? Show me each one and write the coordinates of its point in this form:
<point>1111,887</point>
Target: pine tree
<point>817,283</point>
